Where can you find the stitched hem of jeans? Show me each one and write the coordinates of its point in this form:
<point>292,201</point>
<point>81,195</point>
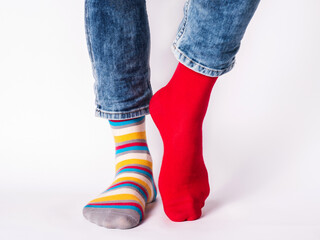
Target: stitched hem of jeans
<point>197,67</point>
<point>122,115</point>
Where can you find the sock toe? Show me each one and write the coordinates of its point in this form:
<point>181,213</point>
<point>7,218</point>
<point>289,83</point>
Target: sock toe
<point>183,211</point>
<point>112,218</point>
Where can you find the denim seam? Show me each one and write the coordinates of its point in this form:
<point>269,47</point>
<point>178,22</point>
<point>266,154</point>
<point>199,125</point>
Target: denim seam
<point>91,54</point>
<point>210,69</point>
<point>185,20</point>
<point>176,50</point>
<point>87,19</point>
<point>149,82</point>
<point>135,110</point>
<point>122,115</point>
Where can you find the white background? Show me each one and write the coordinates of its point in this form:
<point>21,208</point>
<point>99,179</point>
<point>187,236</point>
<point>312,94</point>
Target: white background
<point>261,132</point>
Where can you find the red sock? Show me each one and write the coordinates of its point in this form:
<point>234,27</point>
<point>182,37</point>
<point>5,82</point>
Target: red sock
<point>178,110</point>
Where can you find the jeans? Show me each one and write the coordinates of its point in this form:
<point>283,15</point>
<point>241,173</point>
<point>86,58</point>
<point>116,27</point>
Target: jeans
<point>118,40</point>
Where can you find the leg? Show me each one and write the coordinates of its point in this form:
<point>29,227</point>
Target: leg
<point>206,44</point>
<point>210,33</point>
<point>118,42</point>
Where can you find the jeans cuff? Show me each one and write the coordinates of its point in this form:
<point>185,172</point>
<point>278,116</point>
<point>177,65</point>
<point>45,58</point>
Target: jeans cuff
<point>122,115</point>
<point>197,67</point>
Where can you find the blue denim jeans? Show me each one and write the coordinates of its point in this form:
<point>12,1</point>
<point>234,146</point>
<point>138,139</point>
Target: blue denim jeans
<point>118,40</point>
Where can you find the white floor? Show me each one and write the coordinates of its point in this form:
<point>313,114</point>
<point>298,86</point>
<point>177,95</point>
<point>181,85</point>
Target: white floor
<point>230,213</point>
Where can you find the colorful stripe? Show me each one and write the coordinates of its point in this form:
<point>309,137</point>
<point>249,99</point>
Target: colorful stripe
<point>133,186</point>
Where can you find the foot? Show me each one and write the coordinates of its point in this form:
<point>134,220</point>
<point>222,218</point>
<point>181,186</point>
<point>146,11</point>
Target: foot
<point>122,205</point>
<point>178,110</point>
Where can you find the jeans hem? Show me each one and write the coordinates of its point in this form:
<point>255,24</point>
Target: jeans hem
<point>122,115</point>
<point>197,67</point>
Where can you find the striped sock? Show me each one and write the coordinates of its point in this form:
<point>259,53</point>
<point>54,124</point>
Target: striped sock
<point>122,205</point>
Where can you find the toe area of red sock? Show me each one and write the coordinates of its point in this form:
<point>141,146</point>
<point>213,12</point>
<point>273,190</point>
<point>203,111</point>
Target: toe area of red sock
<point>179,211</point>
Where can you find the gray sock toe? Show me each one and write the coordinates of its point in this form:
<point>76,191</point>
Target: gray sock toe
<point>112,218</point>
